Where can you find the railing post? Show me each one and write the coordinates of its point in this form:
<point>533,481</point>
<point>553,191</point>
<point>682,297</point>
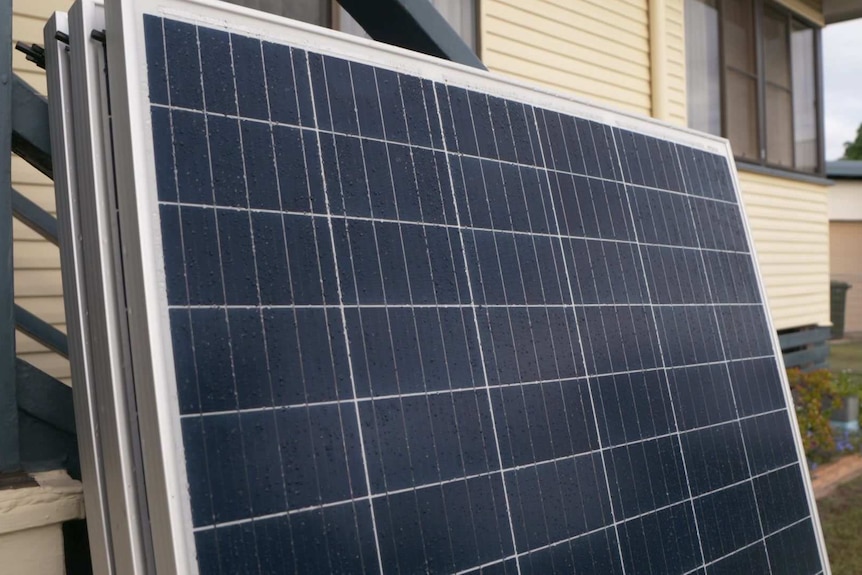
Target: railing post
<point>9,446</point>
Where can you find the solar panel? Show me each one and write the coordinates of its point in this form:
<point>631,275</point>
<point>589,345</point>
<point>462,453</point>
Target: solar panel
<point>409,318</point>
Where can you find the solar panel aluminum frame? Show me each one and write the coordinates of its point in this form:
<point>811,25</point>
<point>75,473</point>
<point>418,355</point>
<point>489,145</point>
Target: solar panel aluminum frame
<point>58,71</point>
<point>124,546</point>
<point>154,379</point>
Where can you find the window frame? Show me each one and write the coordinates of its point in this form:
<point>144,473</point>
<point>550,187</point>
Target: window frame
<point>758,8</point>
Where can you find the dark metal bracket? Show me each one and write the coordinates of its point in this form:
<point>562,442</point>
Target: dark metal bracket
<point>34,52</point>
<point>31,134</point>
<point>412,24</point>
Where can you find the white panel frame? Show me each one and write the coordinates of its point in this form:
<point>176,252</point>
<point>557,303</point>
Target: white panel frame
<point>155,384</point>
<point>64,161</point>
<point>114,430</point>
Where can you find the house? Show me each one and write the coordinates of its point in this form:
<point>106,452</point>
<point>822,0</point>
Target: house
<point>745,69</point>
<point>845,235</point>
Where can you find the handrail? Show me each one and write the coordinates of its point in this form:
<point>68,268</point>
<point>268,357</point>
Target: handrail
<point>34,217</point>
<point>42,331</point>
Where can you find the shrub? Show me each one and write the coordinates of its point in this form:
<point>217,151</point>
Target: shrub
<point>814,395</point>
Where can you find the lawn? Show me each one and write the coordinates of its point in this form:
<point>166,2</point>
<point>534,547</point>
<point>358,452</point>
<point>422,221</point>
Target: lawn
<point>841,512</point>
<point>841,516</point>
<point>846,357</point>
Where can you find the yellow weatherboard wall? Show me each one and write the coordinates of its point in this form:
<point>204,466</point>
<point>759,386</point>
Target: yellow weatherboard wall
<point>790,225</point>
<point>601,51</point>
<point>598,50</point>
<point>38,286</point>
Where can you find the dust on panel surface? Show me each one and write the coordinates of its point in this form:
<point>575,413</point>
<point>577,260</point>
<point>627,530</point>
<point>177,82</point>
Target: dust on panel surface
<point>422,329</point>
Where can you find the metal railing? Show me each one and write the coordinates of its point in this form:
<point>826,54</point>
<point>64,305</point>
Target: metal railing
<point>37,423</point>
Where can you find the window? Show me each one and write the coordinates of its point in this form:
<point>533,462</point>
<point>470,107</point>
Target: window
<point>310,11</point>
<point>460,14</point>
<point>752,76</point>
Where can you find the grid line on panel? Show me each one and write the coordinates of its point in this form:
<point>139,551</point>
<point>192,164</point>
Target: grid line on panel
<point>385,307</point>
<point>360,434</point>
<point>568,276</point>
<point>532,342</point>
<point>454,227</point>
<point>431,148</point>
<point>684,178</point>
<point>478,332</point>
<point>663,373</point>
<point>482,282</point>
<point>641,515</point>
<point>221,266</point>
<point>753,543</point>
<point>437,305</point>
<point>532,464</point>
<point>464,306</point>
<point>296,323</point>
<point>174,166</point>
<point>545,306</point>
<point>470,390</point>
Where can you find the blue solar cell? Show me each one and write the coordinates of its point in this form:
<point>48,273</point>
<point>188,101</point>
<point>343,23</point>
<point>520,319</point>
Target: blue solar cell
<point>418,328</point>
<point>751,559</point>
<point>248,76</point>
<point>165,179</point>
<point>728,520</point>
<point>632,407</point>
<point>155,50</point>
<point>339,92</point>
<point>757,386</point>
<point>183,64</point>
<point>645,476</point>
<point>225,145</point>
<point>768,442</point>
<point>291,172</point>
<point>391,105</point>
<point>280,84</point>
<point>662,542</point>
<point>794,550</point>
<point>703,395</point>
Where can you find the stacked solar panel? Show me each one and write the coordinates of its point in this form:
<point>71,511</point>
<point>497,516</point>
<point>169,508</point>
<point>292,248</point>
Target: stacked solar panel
<point>419,328</point>
<point>366,312</point>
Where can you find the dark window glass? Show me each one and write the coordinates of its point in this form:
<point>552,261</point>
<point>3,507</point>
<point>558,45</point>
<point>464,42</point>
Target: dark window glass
<point>740,90</point>
<point>803,50</point>
<point>751,76</point>
<point>779,101</point>
<point>703,61</point>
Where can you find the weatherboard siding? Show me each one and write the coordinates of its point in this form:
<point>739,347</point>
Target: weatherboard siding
<point>593,49</point>
<point>596,50</point>
<point>600,51</point>
<point>790,228</point>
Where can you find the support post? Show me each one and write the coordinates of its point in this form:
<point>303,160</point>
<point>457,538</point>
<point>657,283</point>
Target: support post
<point>658,58</point>
<point>9,446</point>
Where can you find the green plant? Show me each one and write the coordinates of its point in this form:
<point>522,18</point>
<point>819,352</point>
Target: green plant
<point>814,395</point>
<point>846,386</point>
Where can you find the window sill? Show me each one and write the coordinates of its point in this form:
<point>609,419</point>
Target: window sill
<point>743,166</point>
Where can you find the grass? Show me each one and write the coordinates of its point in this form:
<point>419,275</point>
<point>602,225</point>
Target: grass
<point>841,512</point>
<point>846,357</point>
<point>841,516</point>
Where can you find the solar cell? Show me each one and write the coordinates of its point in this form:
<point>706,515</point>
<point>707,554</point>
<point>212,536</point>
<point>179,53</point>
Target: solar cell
<point>421,327</point>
